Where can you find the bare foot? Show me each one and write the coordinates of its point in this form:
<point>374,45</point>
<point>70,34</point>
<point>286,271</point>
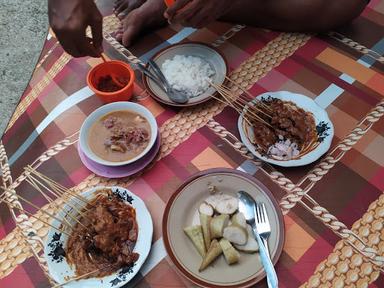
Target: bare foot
<point>121,8</point>
<point>147,16</point>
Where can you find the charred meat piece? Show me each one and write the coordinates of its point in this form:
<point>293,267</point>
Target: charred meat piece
<point>110,122</point>
<point>126,138</point>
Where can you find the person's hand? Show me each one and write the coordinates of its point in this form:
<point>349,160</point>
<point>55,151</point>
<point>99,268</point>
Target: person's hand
<point>197,13</point>
<point>69,20</point>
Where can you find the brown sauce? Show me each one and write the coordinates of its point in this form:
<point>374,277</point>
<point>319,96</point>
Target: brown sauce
<point>119,136</point>
<point>105,241</point>
<point>288,121</point>
<point>107,84</point>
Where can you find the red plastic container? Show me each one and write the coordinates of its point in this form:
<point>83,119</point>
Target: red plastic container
<point>169,3</point>
<point>118,69</point>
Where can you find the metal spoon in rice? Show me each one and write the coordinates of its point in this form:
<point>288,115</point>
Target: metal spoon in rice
<point>174,95</point>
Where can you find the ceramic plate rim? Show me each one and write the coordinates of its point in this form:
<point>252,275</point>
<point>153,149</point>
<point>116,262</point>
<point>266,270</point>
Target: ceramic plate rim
<point>170,103</point>
<point>307,158</point>
<point>145,240</point>
<point>174,196</point>
<point>108,108</point>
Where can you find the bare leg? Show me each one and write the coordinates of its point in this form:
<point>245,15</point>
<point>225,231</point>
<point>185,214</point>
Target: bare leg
<point>283,15</point>
<point>295,15</point>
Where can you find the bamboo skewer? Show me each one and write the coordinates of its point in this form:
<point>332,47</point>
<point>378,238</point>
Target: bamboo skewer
<point>246,102</point>
<point>237,106</point>
<point>61,190</point>
<point>53,192</point>
<point>58,207</point>
<point>251,107</point>
<point>33,205</point>
<point>48,199</point>
<point>238,110</point>
<point>82,276</point>
<point>242,103</point>
<point>247,93</point>
<point>31,215</point>
<point>226,95</point>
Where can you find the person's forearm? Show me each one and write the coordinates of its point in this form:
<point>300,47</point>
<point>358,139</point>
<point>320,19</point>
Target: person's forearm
<point>295,15</point>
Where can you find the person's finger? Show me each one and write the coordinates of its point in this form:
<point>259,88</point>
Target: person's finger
<point>193,19</point>
<point>85,47</point>
<point>188,12</point>
<point>130,7</point>
<point>118,3</point>
<point>171,11</point>
<point>198,19</point>
<point>68,44</point>
<point>97,33</point>
<point>123,6</point>
<point>124,13</point>
<point>71,50</point>
<point>119,34</point>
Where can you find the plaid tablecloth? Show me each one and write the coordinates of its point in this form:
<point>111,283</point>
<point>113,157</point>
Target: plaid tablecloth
<point>334,208</point>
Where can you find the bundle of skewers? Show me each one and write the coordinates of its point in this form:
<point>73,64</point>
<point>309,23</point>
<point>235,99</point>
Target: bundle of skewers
<point>64,220</point>
<point>50,190</point>
<point>245,104</point>
<point>273,135</point>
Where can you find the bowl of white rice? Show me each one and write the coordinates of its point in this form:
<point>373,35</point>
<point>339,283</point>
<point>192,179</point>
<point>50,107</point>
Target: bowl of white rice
<point>188,67</point>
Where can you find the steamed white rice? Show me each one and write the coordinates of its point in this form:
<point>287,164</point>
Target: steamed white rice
<point>188,74</point>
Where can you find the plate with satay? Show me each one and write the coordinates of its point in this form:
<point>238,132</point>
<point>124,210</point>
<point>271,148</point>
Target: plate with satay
<point>101,239</point>
<point>285,129</point>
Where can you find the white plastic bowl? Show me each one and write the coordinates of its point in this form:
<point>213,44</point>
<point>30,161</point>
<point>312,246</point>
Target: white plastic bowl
<point>116,106</point>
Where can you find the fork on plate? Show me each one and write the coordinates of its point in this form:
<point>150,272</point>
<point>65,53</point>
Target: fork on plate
<point>262,224</point>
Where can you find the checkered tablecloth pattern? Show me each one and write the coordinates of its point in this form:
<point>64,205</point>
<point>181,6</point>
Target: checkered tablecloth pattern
<point>333,209</point>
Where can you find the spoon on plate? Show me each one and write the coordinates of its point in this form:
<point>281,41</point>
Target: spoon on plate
<point>173,94</point>
<point>247,206</point>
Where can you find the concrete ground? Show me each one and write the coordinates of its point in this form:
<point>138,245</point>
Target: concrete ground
<point>23,28</point>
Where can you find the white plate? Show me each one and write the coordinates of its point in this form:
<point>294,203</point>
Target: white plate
<point>215,59</point>
<point>307,104</point>
<point>103,110</point>
<point>59,269</point>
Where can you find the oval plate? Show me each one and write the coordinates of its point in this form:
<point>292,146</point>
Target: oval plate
<point>59,268</point>
<point>204,51</point>
<point>324,128</point>
<point>181,211</point>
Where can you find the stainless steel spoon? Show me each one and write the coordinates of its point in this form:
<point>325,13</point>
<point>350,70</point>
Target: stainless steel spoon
<point>247,206</point>
<point>174,95</point>
<point>154,78</point>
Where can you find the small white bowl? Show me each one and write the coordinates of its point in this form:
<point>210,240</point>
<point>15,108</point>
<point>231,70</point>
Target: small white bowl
<point>103,110</point>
